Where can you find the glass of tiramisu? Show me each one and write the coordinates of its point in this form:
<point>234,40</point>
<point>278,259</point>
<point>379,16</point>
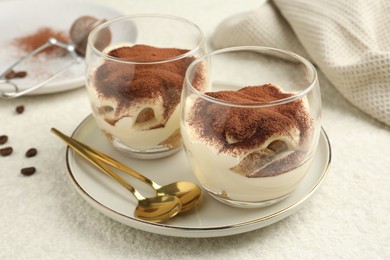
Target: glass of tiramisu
<point>251,127</point>
<point>135,72</point>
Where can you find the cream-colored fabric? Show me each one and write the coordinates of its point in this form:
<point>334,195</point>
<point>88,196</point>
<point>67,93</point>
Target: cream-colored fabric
<point>348,40</point>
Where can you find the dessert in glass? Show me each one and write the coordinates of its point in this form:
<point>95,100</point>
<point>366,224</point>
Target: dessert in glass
<point>251,127</point>
<point>135,72</point>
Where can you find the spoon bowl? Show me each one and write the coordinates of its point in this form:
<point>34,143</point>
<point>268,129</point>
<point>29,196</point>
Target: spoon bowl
<point>161,208</point>
<point>188,192</point>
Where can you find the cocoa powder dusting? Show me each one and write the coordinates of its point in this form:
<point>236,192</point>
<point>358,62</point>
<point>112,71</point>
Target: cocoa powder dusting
<point>32,41</point>
<point>130,83</point>
<point>234,129</point>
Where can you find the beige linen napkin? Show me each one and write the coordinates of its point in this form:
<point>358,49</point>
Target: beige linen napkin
<point>348,40</point>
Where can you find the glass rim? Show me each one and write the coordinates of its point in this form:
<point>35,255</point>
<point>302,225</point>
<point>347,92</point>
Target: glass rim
<point>137,16</point>
<point>282,101</point>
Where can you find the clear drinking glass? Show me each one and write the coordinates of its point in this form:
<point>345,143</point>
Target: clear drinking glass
<point>135,73</point>
<point>251,126</point>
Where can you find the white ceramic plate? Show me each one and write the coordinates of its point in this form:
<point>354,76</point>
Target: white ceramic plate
<point>19,18</point>
<point>209,219</point>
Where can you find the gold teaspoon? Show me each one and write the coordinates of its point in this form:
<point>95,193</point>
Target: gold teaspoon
<point>155,209</point>
<point>188,192</point>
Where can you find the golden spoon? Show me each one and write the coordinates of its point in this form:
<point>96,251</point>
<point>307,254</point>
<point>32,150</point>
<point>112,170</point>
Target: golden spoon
<point>188,192</point>
<point>155,209</point>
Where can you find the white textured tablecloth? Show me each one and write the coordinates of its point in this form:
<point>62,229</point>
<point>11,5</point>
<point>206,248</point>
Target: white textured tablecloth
<point>43,217</point>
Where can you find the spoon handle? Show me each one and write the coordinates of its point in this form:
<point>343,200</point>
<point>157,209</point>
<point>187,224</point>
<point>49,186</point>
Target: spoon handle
<point>114,163</point>
<point>85,154</point>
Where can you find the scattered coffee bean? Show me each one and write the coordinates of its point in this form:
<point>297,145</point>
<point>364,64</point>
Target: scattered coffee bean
<point>28,171</point>
<point>20,109</point>
<point>20,74</point>
<point>6,151</point>
<point>3,139</point>
<point>10,74</point>
<point>31,152</point>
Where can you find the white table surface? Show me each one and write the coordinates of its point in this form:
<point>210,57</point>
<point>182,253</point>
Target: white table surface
<point>43,217</point>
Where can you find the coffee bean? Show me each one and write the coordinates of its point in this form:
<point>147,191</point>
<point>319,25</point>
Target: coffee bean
<point>20,74</point>
<point>20,109</point>
<point>12,74</point>
<point>6,151</point>
<point>28,171</point>
<point>3,139</point>
<point>31,152</point>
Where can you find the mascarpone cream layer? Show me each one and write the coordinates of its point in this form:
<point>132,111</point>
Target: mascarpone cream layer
<point>137,135</point>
